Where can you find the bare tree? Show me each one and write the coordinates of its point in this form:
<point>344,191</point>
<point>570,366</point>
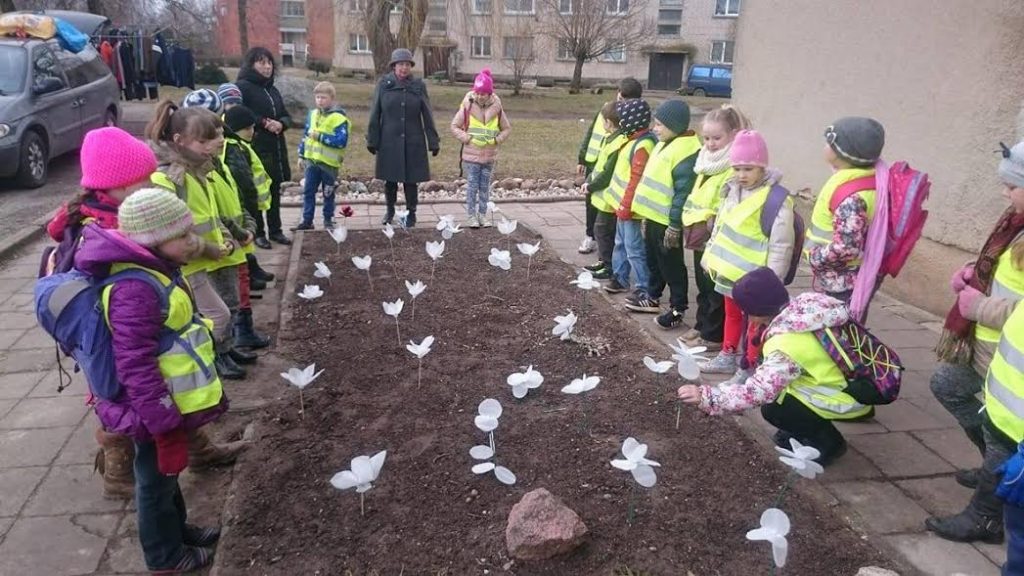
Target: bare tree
<point>517,49</point>
<point>509,28</point>
<point>243,25</point>
<point>590,29</point>
<point>377,21</point>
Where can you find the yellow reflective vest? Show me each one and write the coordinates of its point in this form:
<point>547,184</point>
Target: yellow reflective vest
<point>204,216</point>
<point>187,364</point>
<point>820,231</point>
<point>702,204</point>
<point>608,148</point>
<point>1007,283</point>
<point>623,167</point>
<point>739,246</point>
<point>597,137</point>
<point>260,178</point>
<point>229,206</point>
<point>654,194</point>
<point>324,123</point>
<point>821,385</point>
<point>483,134</point>
<point>1004,384</point>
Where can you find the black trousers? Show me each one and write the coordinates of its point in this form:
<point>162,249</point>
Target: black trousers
<point>667,267</point>
<point>710,304</point>
<point>795,418</point>
<point>604,235</point>
<point>411,191</point>
<point>273,215</point>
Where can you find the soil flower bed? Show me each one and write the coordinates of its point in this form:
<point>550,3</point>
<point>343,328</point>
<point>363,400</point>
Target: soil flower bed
<point>427,512</point>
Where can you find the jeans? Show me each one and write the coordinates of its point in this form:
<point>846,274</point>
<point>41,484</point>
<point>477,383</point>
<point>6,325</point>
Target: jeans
<point>1014,516</point>
<point>665,267</point>
<point>317,175</point>
<point>478,187</point>
<point>161,510</point>
<point>710,304</point>
<point>629,254</point>
<point>604,235</point>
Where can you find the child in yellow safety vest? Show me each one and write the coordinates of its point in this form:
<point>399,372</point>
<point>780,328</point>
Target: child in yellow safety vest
<point>321,153</point>
<point>480,125</point>
<point>595,187</point>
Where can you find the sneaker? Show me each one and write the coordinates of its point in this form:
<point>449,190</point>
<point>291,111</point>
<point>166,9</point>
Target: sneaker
<point>643,303</point>
<point>708,345</point>
<point>484,222</point>
<point>473,221</point>
<point>669,320</point>
<point>303,226</point>
<point>587,246</point>
<point>602,274</point>
<point>723,363</point>
<point>594,267</point>
<point>691,334</point>
<point>740,376</point>
<point>613,287</point>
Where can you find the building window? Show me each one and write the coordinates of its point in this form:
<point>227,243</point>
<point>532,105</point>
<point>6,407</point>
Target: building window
<point>727,8</point>
<point>293,9</point>
<point>518,6</point>
<point>358,44</point>
<point>670,22</point>
<point>616,54</point>
<point>437,16</point>
<point>564,50</point>
<point>518,48</point>
<point>482,6</point>
<point>565,7</point>
<point>357,5</point>
<point>721,52</point>
<point>618,6</point>
<point>670,3</point>
<point>480,46</point>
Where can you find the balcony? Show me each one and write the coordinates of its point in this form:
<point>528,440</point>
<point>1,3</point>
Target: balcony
<point>294,53</point>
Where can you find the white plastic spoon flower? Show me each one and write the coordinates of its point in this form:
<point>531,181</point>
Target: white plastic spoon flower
<point>450,231</point>
<point>688,360</point>
<point>415,288</point>
<point>656,366</point>
<point>774,528</point>
<point>585,281</point>
<point>363,262</point>
<point>402,214</point>
<point>389,231</point>
<point>488,414</point>
<point>419,351</point>
<point>446,221</point>
<point>802,459</point>
<point>435,249</point>
<point>300,379</point>
<point>322,271</point>
<point>528,250</point>
<point>637,463</point>
<point>581,385</point>
<point>311,292</point>
<point>500,259</point>
<point>361,476</point>
<point>523,382</point>
<point>393,308</point>
<point>564,325</point>
<point>504,475</point>
<point>339,234</point>
<point>507,227</point>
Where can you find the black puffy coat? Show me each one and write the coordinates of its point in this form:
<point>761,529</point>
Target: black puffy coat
<point>402,129</point>
<point>260,96</point>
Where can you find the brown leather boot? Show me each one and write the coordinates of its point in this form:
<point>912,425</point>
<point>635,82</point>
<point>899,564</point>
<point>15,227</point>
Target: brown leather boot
<point>204,453</point>
<point>114,462</point>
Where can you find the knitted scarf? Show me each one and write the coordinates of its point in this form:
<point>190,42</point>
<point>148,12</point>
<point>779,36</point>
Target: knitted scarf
<point>956,346</point>
<point>711,163</point>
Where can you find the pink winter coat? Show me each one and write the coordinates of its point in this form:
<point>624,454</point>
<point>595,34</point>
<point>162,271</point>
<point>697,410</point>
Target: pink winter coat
<point>460,125</point>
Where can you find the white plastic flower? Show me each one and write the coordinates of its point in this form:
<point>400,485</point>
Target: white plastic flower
<point>585,281</point>
<point>450,231</point>
<point>564,325</point>
<point>422,349</point>
<point>363,262</point>
<point>523,382</point>
<point>507,227</point>
<point>528,249</point>
<point>363,473</point>
<point>656,366</point>
<point>581,385</point>
<point>322,271</point>
<point>687,359</point>
<point>487,415</point>
<point>500,259</point>
<point>637,463</point>
<point>389,231</point>
<point>492,206</point>
<point>504,475</point>
<point>801,459</point>
<point>311,292</point>
<point>415,289</point>
<point>774,528</point>
<point>302,378</point>
<point>435,249</point>
<point>339,234</point>
<point>446,221</point>
<point>402,214</point>
<point>393,308</point>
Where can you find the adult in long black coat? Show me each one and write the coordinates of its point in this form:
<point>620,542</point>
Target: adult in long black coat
<point>401,131</point>
<point>256,82</point>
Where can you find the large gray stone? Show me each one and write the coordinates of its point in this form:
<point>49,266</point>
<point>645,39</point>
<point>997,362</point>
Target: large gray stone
<point>53,546</point>
<point>541,526</point>
<point>297,94</point>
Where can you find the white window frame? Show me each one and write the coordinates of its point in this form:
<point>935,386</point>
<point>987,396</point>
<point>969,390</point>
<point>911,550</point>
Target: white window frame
<point>561,7</point>
<point>481,7</point>
<point>678,24</point>
<point>357,50</point>
<point>563,45</point>
<point>531,11</point>
<point>293,3</point>
<point>607,56</point>
<point>724,50</point>
<point>474,53</point>
<point>732,8</point>
<point>504,45</point>
<point>621,7</point>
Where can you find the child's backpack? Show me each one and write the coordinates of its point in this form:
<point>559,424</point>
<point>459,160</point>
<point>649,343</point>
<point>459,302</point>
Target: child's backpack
<point>68,306</point>
<point>776,198</point>
<point>908,189</point>
<point>873,370</point>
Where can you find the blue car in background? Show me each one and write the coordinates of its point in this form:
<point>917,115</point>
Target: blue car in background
<point>708,80</point>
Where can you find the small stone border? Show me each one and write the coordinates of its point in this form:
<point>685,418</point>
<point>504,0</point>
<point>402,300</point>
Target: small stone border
<point>437,193</point>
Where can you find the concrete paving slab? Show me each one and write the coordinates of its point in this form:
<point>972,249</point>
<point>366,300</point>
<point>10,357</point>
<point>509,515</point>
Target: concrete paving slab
<point>16,486</point>
<point>17,320</point>
<point>935,556</point>
<point>12,362</point>
<point>17,386</point>
<point>916,358</point>
<point>952,445</point>
<point>32,447</point>
<point>123,552</point>
<point>81,447</point>
<point>74,381</point>
<point>930,405</point>
<point>908,339</point>
<point>5,525</point>
<point>852,466</point>
<point>940,496</point>
<point>880,505</point>
<point>901,416</point>
<point>53,546</point>
<point>915,385</point>
<point>102,525</point>
<point>995,553</point>
<point>881,321</point>
<point>872,426</point>
<point>10,285</point>
<point>45,413</point>
<point>6,405</point>
<point>73,489</point>
<point>899,455</point>
<point>19,303</point>
<point>34,339</point>
<point>9,337</point>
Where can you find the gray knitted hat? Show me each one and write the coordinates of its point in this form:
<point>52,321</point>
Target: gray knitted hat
<point>857,140</point>
<point>401,55</point>
<point>674,114</point>
<point>1011,168</point>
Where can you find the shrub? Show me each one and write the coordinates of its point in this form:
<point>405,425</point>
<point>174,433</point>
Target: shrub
<point>318,66</point>
<point>210,74</point>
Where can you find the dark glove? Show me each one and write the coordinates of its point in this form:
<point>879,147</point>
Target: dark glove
<point>673,237</point>
<point>1011,488</point>
<point>372,150</point>
<point>347,211</point>
<point>435,151</point>
<point>172,451</point>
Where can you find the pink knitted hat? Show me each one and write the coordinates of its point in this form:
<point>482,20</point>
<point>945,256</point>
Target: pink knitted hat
<point>483,84</point>
<point>749,149</point>
<point>112,158</point>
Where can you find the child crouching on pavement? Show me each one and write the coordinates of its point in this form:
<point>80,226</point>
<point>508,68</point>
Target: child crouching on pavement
<point>321,153</point>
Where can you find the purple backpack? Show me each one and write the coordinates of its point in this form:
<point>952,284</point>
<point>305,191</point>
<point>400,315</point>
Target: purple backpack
<point>776,198</point>
<point>873,370</point>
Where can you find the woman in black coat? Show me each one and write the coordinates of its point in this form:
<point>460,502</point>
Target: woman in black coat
<point>402,130</point>
<point>256,81</point>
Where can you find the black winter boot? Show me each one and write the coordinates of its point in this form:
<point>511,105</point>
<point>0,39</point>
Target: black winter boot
<point>245,335</point>
<point>227,369</point>
<point>255,271</point>
<point>981,521</point>
<point>242,357</point>
<point>256,285</point>
<point>969,478</point>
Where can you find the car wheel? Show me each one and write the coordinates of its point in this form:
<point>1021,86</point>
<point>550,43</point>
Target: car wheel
<point>34,161</point>
<point>110,119</point>
<point>700,93</point>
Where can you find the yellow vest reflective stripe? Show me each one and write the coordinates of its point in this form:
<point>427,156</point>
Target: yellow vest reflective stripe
<point>821,385</point>
<point>1008,283</point>
<point>187,362</point>
<point>702,204</point>
<point>229,206</point>
<point>483,133</point>
<point>204,215</point>
<point>623,165</point>
<point>597,137</point>
<point>820,231</point>
<point>654,193</point>
<point>607,149</point>
<point>739,246</point>
<point>313,149</point>
<point>1004,384</point>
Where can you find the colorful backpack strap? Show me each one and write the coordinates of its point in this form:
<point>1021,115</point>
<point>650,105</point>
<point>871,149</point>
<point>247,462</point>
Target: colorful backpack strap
<point>850,188</point>
<point>776,198</point>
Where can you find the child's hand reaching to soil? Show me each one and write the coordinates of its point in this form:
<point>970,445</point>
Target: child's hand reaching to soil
<point>690,394</point>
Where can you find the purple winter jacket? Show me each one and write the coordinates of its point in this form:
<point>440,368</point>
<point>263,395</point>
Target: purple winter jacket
<point>144,409</point>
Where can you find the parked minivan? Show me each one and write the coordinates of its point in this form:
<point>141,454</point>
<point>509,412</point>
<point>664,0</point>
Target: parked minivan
<point>708,80</point>
<point>49,99</point>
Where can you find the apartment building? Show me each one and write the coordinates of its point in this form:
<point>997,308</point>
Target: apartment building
<point>464,36</point>
<point>294,30</point>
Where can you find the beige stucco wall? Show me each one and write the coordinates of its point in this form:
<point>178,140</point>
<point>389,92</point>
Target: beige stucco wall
<point>946,79</point>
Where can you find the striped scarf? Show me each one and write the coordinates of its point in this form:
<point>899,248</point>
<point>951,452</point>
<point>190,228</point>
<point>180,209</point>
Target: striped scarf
<point>711,163</point>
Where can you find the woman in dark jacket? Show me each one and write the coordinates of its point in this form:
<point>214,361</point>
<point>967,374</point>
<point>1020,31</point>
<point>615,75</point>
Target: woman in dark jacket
<point>256,81</point>
<point>402,130</point>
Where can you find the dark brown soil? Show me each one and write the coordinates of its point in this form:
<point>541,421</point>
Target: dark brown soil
<point>428,513</point>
